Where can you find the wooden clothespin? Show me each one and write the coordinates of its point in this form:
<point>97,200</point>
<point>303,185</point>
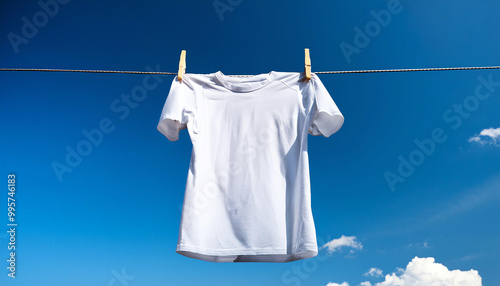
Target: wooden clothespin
<point>182,65</point>
<point>307,68</point>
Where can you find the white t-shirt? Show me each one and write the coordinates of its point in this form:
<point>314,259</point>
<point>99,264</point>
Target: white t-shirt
<point>247,195</point>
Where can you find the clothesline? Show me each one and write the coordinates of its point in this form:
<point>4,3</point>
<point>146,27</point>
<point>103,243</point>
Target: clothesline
<point>320,72</point>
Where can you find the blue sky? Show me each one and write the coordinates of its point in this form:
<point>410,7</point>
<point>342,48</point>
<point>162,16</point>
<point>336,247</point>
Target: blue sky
<point>114,219</point>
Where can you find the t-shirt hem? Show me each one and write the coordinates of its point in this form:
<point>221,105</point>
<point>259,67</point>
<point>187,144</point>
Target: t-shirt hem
<point>247,255</point>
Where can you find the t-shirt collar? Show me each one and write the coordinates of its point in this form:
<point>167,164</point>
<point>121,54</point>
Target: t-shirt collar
<point>244,84</point>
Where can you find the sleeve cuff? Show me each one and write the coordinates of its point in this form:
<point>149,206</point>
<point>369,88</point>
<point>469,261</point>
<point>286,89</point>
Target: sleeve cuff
<point>326,124</point>
<point>170,128</point>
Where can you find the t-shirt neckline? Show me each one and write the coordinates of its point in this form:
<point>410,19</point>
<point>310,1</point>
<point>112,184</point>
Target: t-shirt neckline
<point>244,84</point>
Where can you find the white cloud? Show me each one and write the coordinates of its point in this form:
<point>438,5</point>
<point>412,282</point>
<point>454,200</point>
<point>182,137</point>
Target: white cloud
<point>487,136</point>
<point>425,272</point>
<point>374,272</point>
<point>343,241</point>
<point>336,284</point>
<point>366,283</point>
<point>465,201</point>
<point>468,201</point>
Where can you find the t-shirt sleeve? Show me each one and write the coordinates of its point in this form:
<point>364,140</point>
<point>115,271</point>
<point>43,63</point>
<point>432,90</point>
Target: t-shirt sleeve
<point>326,117</point>
<point>178,109</point>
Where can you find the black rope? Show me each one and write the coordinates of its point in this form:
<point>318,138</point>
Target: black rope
<point>321,72</point>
